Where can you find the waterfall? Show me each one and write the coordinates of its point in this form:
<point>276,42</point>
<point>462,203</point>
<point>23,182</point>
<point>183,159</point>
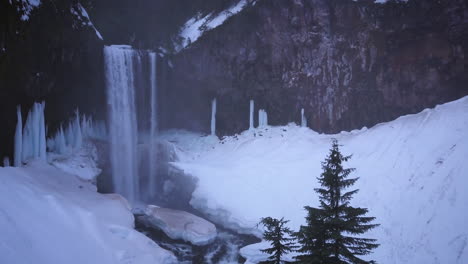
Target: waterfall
<point>213,117</point>
<point>133,121</point>
<point>153,127</point>
<point>123,133</point>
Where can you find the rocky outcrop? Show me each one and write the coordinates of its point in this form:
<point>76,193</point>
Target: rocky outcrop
<point>347,63</point>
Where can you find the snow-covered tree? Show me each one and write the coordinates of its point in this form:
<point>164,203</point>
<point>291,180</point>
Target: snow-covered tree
<point>280,237</point>
<point>330,235</point>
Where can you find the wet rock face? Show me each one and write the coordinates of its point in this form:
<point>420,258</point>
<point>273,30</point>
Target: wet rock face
<point>349,64</point>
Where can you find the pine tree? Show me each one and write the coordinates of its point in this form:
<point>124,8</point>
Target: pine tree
<point>280,237</point>
<point>330,234</point>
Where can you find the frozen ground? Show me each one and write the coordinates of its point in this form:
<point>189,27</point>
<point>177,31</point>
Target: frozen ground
<point>49,216</point>
<point>413,178</point>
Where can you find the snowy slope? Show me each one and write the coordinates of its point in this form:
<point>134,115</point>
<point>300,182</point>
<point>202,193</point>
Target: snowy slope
<point>413,177</point>
<point>48,216</point>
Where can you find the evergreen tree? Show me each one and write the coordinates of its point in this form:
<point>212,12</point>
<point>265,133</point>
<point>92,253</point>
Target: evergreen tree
<point>280,237</point>
<point>330,234</point>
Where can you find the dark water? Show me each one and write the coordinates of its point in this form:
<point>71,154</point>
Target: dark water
<point>225,248</point>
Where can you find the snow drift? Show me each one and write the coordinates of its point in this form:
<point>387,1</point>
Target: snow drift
<point>413,178</point>
<point>48,216</point>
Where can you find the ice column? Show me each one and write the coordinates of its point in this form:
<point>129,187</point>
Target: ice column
<point>262,118</point>
<point>251,120</point>
<point>34,140</point>
<point>18,138</point>
<point>213,117</point>
<point>303,119</point>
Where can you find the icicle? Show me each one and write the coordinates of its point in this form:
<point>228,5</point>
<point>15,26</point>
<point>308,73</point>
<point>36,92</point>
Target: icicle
<point>251,120</point>
<point>42,134</point>
<point>6,162</point>
<point>34,141</point>
<point>78,140</point>
<point>262,118</point>
<point>18,138</point>
<point>303,119</point>
<point>213,117</point>
<point>69,135</point>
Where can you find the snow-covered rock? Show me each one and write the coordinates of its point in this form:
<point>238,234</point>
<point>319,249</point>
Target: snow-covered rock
<point>47,216</point>
<point>81,163</point>
<point>196,26</point>
<point>182,225</point>
<point>412,178</point>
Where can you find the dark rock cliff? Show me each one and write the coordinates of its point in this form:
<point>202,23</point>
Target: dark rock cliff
<point>55,54</point>
<point>53,57</point>
<point>348,64</point>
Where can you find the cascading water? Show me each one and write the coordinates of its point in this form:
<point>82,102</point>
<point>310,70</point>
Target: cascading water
<point>133,120</point>
<point>153,127</point>
<point>123,131</point>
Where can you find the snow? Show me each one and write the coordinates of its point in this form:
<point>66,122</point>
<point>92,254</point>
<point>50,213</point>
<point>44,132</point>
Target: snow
<point>81,163</point>
<point>196,26</point>
<point>82,16</point>
<point>26,7</point>
<point>48,216</point>
<point>182,225</point>
<point>253,254</point>
<point>412,178</point>
<point>384,1</point>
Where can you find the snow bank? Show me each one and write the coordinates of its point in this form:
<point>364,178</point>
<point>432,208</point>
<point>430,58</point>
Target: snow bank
<point>182,225</point>
<point>48,217</point>
<point>412,178</point>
